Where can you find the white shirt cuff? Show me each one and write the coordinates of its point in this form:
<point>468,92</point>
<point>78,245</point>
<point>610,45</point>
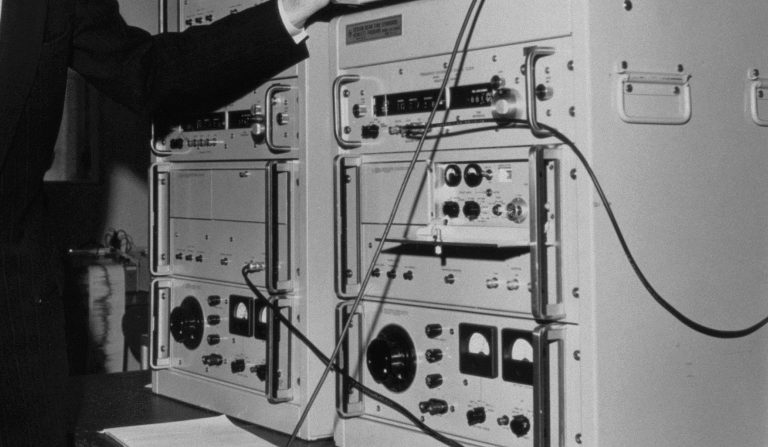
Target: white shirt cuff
<point>298,34</point>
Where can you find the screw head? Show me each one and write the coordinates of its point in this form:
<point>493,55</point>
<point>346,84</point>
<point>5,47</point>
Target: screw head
<point>627,5</point>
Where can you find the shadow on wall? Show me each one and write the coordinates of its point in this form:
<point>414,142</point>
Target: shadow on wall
<point>115,194</point>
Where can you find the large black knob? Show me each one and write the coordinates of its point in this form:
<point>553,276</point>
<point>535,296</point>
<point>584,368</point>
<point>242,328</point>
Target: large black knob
<point>391,358</point>
<point>520,425</point>
<point>451,209</point>
<point>187,323</point>
<point>237,366</point>
<point>476,416</point>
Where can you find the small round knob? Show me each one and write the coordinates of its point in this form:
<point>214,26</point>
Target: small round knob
<point>359,110</point>
<point>433,330</point>
<point>434,380</point>
<point>214,339</point>
<point>433,355</point>
<point>544,92</point>
<point>497,82</point>
<point>258,130</point>
<point>213,320</point>
<point>283,119</point>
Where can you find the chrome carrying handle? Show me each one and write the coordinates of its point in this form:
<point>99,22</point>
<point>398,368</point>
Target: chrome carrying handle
<point>349,402</point>
<point>679,83</point>
<point>346,232</point>
<point>532,54</point>
<point>268,96</point>
<point>540,293</point>
<point>162,16</point>
<point>276,286</point>
<point>159,344</point>
<point>543,337</point>
<point>756,88</point>
<point>338,125</point>
<point>272,388</point>
<point>159,220</point>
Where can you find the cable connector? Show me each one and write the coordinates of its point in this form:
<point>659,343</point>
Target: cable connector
<point>254,267</point>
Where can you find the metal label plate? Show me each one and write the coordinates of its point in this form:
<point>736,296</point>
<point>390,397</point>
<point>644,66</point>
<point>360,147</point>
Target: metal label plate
<point>375,29</point>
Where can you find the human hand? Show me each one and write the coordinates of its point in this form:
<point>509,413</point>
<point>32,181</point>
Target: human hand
<point>298,11</point>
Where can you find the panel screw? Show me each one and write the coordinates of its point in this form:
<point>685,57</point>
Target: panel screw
<point>680,68</point>
<point>624,65</point>
<point>570,65</point>
<point>346,93</point>
<point>629,88</point>
<point>754,74</point>
<point>522,70</point>
<point>577,355</point>
<point>572,111</point>
<point>573,176</point>
<point>627,5</point>
<point>676,90</point>
<point>347,130</point>
<point>575,291</point>
<point>578,438</point>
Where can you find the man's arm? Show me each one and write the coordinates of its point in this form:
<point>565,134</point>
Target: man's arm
<point>199,69</point>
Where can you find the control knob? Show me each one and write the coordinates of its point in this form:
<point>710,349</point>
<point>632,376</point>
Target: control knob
<point>476,416</point>
<point>433,355</point>
<point>520,425</point>
<point>434,380</point>
<point>505,105</point>
<point>359,110</point>
<point>283,118</point>
<point>237,366</point>
<point>433,330</point>
<point>434,407</point>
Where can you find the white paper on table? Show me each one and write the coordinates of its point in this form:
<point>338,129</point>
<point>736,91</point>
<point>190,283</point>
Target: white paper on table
<point>205,432</point>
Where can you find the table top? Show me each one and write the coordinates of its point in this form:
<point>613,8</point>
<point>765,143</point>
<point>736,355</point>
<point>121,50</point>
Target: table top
<point>102,401</point>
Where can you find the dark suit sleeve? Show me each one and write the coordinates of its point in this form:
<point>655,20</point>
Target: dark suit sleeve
<point>202,68</point>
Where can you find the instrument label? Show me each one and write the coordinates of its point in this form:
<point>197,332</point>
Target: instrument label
<point>375,29</point>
